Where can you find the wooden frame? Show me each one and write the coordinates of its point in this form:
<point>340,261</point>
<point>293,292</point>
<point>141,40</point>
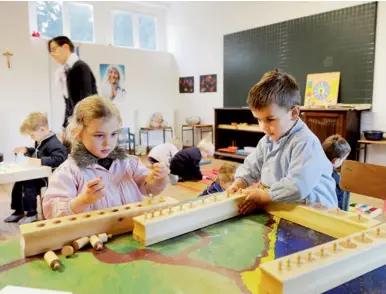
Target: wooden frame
<point>53,234</point>
<point>327,266</point>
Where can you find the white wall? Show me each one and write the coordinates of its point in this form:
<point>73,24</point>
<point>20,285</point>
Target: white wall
<point>195,33</point>
<point>29,86</point>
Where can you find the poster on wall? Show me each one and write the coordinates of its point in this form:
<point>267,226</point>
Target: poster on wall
<point>322,89</point>
<point>187,85</point>
<point>112,78</point>
<point>208,83</point>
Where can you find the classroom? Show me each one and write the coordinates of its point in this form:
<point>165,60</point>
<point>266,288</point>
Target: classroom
<point>192,147</point>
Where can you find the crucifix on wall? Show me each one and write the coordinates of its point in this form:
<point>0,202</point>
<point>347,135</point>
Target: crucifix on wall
<point>8,56</point>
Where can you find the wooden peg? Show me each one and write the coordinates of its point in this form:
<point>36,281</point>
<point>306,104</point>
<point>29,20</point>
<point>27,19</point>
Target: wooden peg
<point>279,266</point>
<point>80,243</point>
<point>214,198</point>
<point>203,201</point>
<point>337,210</point>
<point>145,216</point>
<point>288,263</point>
<point>334,247</point>
<point>348,242</point>
<point>160,212</point>
<point>104,237</point>
<point>148,202</point>
<point>359,216</point>
<point>152,214</point>
<point>309,256</point>
<point>67,251</point>
<point>180,206</point>
<point>378,231</point>
<point>321,252</point>
<point>298,259</point>
<point>96,242</point>
<point>161,199</point>
<point>191,204</point>
<point>363,237</point>
<point>52,260</point>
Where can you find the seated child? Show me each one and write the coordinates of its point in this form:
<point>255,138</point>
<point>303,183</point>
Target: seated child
<point>98,173</point>
<point>224,179</point>
<point>289,159</point>
<point>337,149</point>
<point>48,151</point>
<point>164,152</point>
<point>186,163</point>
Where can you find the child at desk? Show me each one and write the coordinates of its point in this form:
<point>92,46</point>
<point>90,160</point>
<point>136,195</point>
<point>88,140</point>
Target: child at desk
<point>224,179</point>
<point>186,163</point>
<point>289,159</point>
<point>48,151</point>
<point>98,173</point>
<point>337,150</point>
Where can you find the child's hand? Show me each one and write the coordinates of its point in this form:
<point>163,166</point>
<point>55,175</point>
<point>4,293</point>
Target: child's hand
<point>236,185</point>
<point>255,198</point>
<point>19,150</point>
<point>159,171</point>
<point>94,191</point>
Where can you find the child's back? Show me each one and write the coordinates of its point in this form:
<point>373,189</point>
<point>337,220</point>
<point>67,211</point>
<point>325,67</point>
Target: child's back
<point>163,153</point>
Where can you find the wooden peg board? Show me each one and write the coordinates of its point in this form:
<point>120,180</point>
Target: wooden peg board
<point>332,222</point>
<point>328,268</point>
<point>53,234</point>
<point>165,224</point>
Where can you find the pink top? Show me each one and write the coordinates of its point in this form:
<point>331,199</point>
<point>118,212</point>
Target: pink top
<point>125,183</point>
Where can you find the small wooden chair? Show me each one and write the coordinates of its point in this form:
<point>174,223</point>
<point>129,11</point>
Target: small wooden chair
<point>362,178</point>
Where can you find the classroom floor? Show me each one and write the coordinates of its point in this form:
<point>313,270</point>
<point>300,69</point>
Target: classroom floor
<point>180,192</point>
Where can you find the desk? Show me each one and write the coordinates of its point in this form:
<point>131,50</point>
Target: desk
<point>147,130</point>
<point>192,128</point>
<point>11,172</point>
<point>364,147</point>
<point>221,258</point>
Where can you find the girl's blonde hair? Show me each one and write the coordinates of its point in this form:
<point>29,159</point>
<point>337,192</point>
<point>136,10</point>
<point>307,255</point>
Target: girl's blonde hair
<point>226,172</point>
<point>206,146</point>
<point>90,108</point>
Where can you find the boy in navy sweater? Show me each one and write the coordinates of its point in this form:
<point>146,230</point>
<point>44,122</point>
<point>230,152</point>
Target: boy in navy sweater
<point>224,179</point>
<point>48,151</point>
<point>337,149</point>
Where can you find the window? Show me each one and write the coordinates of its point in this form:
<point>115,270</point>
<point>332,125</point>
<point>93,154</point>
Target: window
<point>81,19</point>
<point>147,32</point>
<point>123,29</point>
<point>49,18</point>
<point>134,30</point>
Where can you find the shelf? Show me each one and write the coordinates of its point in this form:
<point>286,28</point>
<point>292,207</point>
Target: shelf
<point>241,130</point>
<point>233,155</point>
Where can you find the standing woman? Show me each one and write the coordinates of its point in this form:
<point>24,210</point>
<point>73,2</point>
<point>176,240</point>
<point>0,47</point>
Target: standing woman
<point>75,76</point>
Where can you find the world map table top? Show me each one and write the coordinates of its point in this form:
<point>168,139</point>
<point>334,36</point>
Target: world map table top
<point>222,258</point>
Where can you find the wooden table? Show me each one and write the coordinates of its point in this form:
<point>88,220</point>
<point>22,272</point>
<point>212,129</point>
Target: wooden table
<point>203,129</point>
<point>147,130</point>
<point>10,173</point>
<point>364,147</point>
<point>222,258</point>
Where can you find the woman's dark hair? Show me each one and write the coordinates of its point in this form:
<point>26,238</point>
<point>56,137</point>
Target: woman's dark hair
<point>62,40</point>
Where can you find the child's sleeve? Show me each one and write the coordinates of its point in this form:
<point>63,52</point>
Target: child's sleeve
<point>58,156</point>
<point>30,151</point>
<point>62,188</point>
<point>250,170</point>
<point>302,176</point>
<point>140,173</point>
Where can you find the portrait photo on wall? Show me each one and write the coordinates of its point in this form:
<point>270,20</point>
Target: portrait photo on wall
<point>208,83</point>
<point>187,85</point>
<point>112,81</point>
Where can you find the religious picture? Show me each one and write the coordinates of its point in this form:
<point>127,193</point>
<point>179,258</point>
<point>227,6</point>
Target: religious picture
<point>187,85</point>
<point>112,81</point>
<point>208,83</point>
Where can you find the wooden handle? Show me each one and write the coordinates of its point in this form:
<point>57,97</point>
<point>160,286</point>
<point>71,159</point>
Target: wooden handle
<point>78,244</point>
<point>52,260</point>
<point>96,242</point>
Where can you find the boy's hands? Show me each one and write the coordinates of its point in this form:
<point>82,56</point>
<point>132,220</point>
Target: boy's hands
<point>94,191</point>
<point>256,198</point>
<point>236,185</point>
<point>159,172</point>
<point>19,150</point>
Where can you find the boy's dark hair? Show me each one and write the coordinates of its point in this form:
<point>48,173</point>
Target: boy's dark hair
<point>62,40</point>
<point>336,146</point>
<point>275,87</point>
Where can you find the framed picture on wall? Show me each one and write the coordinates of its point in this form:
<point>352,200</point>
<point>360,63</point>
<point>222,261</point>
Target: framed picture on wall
<point>187,85</point>
<point>208,83</point>
<point>112,78</point>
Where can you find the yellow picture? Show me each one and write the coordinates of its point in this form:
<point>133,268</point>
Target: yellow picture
<point>322,89</point>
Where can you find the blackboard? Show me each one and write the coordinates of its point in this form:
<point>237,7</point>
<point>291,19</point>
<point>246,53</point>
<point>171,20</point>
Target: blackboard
<point>340,40</point>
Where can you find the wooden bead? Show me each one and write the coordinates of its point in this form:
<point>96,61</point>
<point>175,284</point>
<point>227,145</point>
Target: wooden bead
<point>67,251</point>
<point>52,260</point>
<point>96,242</point>
<point>104,237</point>
<point>80,243</point>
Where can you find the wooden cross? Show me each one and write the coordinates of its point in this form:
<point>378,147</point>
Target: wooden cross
<point>8,56</point>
